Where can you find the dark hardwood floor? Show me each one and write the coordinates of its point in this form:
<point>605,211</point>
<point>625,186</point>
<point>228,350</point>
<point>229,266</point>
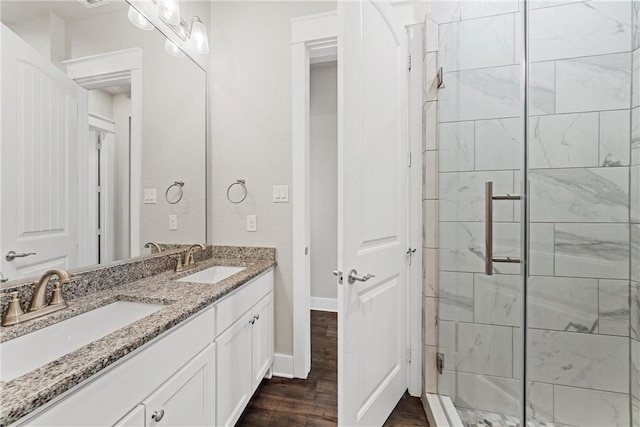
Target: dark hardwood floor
<point>313,402</point>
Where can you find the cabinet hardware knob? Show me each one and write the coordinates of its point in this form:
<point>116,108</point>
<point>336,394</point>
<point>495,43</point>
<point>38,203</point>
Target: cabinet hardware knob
<point>158,415</point>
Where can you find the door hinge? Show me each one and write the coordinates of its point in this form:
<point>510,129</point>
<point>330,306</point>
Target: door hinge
<point>409,62</point>
<point>409,354</point>
<point>410,159</point>
<point>440,362</point>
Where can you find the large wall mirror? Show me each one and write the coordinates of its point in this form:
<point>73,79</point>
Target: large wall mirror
<point>103,145</point>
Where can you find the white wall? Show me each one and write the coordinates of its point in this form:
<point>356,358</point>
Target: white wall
<point>323,178</point>
<point>101,103</point>
<point>121,114</point>
<point>250,91</point>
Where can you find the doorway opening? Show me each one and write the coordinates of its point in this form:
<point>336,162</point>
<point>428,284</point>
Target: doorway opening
<point>323,183</point>
<point>109,172</point>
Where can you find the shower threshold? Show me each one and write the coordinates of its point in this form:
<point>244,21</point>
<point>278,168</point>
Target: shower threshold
<point>476,418</point>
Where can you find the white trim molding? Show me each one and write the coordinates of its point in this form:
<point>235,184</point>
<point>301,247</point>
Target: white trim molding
<point>107,69</point>
<point>324,304</point>
<point>282,365</point>
<point>314,36</point>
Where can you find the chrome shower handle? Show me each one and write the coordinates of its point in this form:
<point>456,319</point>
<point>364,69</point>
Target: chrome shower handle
<point>489,259</point>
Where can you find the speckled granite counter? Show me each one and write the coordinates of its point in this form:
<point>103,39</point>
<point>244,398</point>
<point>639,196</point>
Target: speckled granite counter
<point>24,394</point>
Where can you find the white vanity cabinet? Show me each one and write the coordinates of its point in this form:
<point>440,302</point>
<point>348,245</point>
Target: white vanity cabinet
<point>200,373</point>
<point>244,349</point>
<point>185,400</point>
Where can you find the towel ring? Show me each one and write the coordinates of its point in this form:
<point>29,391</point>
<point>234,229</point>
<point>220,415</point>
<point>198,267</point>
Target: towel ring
<point>179,185</point>
<point>240,182</point>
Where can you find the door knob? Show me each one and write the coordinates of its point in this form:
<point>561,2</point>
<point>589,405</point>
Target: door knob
<point>11,255</point>
<point>353,276</point>
<point>158,415</point>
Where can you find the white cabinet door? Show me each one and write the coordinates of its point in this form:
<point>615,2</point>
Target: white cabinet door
<point>135,418</point>
<point>186,399</point>
<point>233,371</point>
<point>262,339</point>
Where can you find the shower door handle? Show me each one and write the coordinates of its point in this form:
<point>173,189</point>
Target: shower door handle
<point>488,227</point>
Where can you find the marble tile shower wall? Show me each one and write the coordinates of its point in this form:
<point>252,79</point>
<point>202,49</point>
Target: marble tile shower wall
<point>585,206</point>
<point>634,219</point>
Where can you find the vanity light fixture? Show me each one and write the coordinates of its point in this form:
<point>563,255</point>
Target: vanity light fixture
<point>199,40</point>
<point>169,11</point>
<point>172,49</point>
<point>139,20</point>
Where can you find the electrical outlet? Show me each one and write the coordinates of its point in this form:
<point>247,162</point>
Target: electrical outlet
<point>150,195</point>
<point>252,223</point>
<point>173,222</point>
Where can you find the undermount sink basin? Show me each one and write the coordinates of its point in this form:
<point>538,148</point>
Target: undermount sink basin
<point>212,275</point>
<point>28,352</point>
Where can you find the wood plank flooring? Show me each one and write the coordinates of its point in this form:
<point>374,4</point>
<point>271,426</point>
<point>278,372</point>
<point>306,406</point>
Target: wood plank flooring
<point>314,401</point>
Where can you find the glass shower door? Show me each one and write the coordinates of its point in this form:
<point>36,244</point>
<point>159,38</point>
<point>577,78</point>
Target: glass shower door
<point>582,343</point>
<point>480,116</point>
<point>581,286</point>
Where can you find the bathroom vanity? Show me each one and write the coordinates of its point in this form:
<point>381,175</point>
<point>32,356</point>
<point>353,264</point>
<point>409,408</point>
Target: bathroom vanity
<point>195,360</point>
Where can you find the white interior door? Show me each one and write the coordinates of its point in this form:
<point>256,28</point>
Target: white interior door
<point>372,212</point>
<point>39,171</point>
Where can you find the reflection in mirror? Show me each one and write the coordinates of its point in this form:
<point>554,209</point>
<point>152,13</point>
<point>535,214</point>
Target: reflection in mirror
<point>99,120</point>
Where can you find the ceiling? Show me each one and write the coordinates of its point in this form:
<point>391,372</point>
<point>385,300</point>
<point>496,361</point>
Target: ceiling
<point>14,11</point>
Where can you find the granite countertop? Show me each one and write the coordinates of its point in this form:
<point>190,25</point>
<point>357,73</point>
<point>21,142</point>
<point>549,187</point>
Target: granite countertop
<point>22,395</point>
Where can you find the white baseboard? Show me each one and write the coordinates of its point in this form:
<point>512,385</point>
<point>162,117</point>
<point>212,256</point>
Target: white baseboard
<point>324,304</point>
<point>434,411</point>
<point>282,365</point>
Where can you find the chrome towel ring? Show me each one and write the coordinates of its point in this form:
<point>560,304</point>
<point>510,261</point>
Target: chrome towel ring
<point>173,199</point>
<point>243,195</point>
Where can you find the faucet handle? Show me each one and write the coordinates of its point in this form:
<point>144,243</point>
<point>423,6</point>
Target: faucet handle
<point>14,310</point>
<point>179,267</point>
<point>57,298</point>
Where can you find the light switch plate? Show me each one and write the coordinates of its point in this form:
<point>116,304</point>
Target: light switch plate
<point>280,194</point>
<point>252,223</point>
<point>173,222</point>
<point>150,195</point>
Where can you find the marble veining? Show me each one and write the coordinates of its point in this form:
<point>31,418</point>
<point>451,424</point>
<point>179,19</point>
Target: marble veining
<point>613,306</point>
<point>564,140</point>
<point>592,250</point>
<point>22,395</point>
<point>593,83</point>
<point>598,362</point>
<point>580,195</point>
<point>595,27</point>
<point>542,88</point>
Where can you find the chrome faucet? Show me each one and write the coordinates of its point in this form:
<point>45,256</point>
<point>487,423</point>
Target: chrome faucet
<point>155,245</point>
<point>189,260</point>
<point>38,306</point>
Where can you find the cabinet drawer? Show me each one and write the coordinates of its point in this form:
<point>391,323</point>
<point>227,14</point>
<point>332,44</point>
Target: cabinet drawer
<point>234,305</point>
<point>106,397</point>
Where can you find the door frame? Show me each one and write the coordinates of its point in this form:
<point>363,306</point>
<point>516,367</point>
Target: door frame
<point>104,70</point>
<point>102,125</point>
<point>314,37</point>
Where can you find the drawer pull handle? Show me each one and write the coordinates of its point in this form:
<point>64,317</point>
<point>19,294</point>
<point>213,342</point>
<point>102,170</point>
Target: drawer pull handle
<point>158,415</point>
<point>253,320</point>
<point>257,316</point>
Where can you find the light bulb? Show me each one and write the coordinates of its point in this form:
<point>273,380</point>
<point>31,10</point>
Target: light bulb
<point>139,20</point>
<point>169,11</point>
<point>199,40</point>
<point>172,49</point>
